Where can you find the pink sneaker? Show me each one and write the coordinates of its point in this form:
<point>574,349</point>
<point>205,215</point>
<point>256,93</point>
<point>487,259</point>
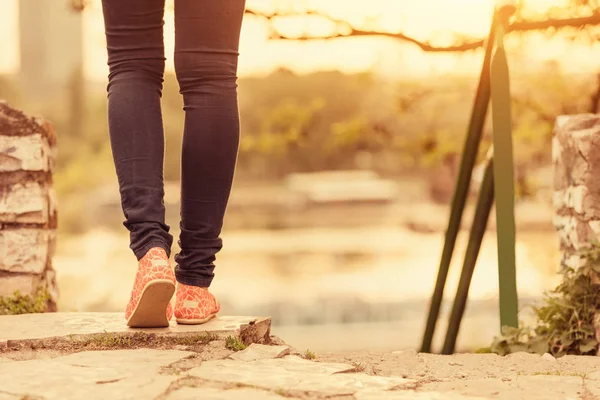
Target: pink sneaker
<point>194,305</point>
<point>150,303</point>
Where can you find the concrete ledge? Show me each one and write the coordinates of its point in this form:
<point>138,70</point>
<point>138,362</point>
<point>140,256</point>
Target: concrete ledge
<point>33,330</point>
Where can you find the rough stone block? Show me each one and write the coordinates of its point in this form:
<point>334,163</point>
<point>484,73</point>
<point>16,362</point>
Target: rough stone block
<point>25,284</point>
<point>25,203</point>
<point>574,233</point>
<point>15,123</point>
<point>25,250</point>
<point>25,153</point>
<point>575,149</point>
<point>51,287</point>
<point>576,157</point>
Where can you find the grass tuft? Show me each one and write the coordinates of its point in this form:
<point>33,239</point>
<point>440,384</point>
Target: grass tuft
<point>234,343</point>
<point>309,355</point>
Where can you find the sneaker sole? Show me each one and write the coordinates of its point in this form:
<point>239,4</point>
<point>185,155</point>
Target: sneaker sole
<point>151,310</point>
<point>197,321</point>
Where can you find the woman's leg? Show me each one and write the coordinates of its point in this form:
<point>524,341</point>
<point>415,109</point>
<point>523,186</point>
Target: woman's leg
<point>134,35</point>
<point>206,53</point>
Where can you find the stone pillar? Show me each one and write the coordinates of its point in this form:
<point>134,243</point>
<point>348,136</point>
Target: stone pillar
<point>27,206</point>
<point>576,157</point>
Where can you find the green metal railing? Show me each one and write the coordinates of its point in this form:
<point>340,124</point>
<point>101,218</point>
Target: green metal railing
<point>497,185</point>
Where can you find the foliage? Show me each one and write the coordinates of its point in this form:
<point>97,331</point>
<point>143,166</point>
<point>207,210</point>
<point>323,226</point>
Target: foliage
<point>234,343</point>
<point>285,132</point>
<point>309,355</point>
<point>325,120</point>
<point>561,9</point>
<point>565,320</point>
<point>24,304</point>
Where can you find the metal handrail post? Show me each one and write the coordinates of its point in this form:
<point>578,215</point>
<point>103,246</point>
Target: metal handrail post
<point>469,155</point>
<point>504,181</point>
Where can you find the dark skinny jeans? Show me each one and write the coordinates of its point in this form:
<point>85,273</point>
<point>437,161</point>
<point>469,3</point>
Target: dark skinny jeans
<point>206,53</point>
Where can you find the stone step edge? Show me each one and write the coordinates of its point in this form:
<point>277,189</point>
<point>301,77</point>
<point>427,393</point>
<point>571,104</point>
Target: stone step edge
<point>257,331</point>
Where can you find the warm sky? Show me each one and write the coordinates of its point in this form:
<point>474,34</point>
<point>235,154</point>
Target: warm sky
<point>424,19</point>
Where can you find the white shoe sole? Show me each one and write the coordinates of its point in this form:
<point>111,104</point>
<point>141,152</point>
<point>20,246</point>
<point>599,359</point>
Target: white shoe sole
<point>151,310</point>
<point>198,321</point>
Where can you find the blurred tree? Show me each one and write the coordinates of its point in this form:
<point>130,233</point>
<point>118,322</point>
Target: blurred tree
<point>579,20</point>
<point>51,58</point>
<point>579,14</point>
<point>329,120</point>
<point>51,78</point>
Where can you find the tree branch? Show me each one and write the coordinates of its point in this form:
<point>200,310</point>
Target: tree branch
<point>517,26</point>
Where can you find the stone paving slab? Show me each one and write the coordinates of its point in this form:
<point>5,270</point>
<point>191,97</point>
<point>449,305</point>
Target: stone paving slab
<point>182,375</point>
<point>210,370</point>
<point>15,329</point>
<point>260,352</point>
<point>412,395</point>
<point>293,373</point>
<point>5,396</point>
<point>188,393</point>
<point>537,387</point>
<point>122,374</point>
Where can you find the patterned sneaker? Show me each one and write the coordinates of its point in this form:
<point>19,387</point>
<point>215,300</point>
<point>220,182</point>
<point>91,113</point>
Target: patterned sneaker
<point>194,305</point>
<point>149,306</point>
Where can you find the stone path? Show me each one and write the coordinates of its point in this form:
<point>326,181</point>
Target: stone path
<point>207,367</point>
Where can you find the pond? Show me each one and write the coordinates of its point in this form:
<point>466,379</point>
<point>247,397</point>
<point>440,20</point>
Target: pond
<point>327,289</point>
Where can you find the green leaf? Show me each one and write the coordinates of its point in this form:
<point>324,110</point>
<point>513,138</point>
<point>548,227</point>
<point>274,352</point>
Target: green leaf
<point>539,345</point>
<point>588,345</point>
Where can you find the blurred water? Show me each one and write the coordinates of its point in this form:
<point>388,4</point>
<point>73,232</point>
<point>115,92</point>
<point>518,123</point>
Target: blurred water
<point>326,289</point>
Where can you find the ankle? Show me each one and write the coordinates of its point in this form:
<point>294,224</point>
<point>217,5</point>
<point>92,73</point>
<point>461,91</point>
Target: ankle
<point>184,286</point>
<point>187,286</point>
<point>155,251</point>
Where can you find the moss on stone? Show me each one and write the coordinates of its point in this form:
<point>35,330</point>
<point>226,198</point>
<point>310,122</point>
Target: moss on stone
<point>234,343</point>
<point>111,341</point>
